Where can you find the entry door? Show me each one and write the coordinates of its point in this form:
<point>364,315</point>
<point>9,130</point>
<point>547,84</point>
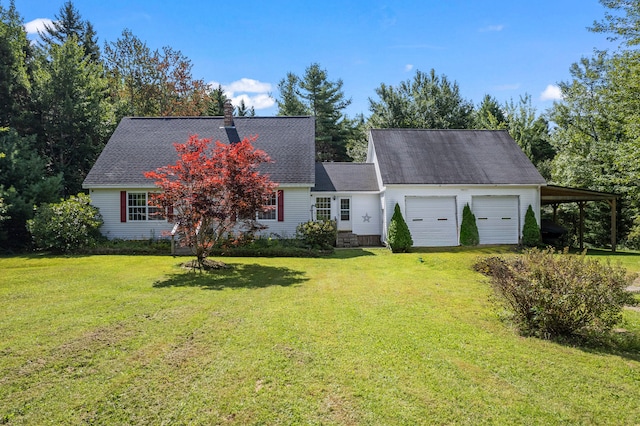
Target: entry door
<point>344,214</point>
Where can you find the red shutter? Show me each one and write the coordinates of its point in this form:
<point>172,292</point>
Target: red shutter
<point>170,213</point>
<point>123,206</point>
<point>280,205</point>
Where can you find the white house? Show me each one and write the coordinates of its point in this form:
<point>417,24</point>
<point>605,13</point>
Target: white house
<point>431,174</point>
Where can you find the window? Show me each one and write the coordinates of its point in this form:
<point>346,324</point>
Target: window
<point>270,214</point>
<point>323,208</point>
<point>138,208</point>
<point>345,211</point>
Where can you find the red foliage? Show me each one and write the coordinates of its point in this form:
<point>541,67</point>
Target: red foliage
<point>213,190</point>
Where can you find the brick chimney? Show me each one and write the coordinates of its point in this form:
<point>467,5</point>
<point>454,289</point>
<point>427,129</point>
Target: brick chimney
<point>228,113</point>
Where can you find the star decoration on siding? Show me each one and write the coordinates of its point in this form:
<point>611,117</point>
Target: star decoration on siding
<point>366,217</point>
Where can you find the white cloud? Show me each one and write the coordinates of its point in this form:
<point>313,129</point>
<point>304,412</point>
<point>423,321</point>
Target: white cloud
<point>247,85</point>
<point>551,93</point>
<point>254,93</point>
<point>408,67</point>
<point>260,101</point>
<point>37,25</point>
<point>492,28</point>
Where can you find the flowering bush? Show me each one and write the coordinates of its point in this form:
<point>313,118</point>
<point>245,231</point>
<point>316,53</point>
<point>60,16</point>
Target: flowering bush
<point>66,226</point>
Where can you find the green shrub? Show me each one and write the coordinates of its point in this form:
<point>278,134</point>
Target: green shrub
<point>119,246</point>
<point>531,236</point>
<point>318,233</point>
<point>633,238</point>
<point>398,237</point>
<point>552,295</point>
<point>67,226</point>
<point>468,228</point>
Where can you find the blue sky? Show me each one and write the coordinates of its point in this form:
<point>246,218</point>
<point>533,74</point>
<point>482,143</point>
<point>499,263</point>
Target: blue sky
<point>503,48</point>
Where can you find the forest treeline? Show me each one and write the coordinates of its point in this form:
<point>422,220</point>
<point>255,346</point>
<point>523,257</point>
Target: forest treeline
<point>62,96</point>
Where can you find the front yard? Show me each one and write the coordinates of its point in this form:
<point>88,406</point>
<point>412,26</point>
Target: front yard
<point>361,337</point>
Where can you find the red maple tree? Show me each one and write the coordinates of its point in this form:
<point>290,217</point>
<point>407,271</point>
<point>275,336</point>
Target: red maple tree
<point>212,192</point>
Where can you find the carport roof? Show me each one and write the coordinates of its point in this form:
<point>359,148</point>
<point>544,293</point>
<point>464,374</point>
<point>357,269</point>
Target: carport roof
<point>552,194</point>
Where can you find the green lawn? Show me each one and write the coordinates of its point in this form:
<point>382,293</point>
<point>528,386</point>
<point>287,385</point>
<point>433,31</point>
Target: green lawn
<point>361,337</point>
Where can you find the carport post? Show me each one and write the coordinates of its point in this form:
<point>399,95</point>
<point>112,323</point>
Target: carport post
<point>612,204</point>
<point>581,225</point>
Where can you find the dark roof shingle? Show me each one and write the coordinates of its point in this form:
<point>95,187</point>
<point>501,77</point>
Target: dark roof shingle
<point>342,177</point>
<point>143,144</point>
<point>440,157</point>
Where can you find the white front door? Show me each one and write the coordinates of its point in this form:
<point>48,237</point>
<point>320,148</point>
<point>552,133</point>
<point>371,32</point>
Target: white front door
<point>344,214</point>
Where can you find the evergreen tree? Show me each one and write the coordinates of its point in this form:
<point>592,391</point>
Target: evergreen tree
<point>531,231</point>
<point>468,228</point>
<point>68,23</point>
<point>15,75</point>
<point>358,143</point>
<point>243,111</point>
<point>71,93</point>
<point>398,236</point>
<point>217,98</point>
<point>314,94</point>
<point>23,184</point>
<point>289,103</point>
<point>427,101</point>
<point>529,130</point>
<point>489,115</point>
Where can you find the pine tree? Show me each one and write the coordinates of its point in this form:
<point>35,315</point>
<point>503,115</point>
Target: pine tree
<point>217,98</point>
<point>468,228</point>
<point>15,76</point>
<point>68,24</point>
<point>315,95</point>
<point>289,103</point>
<point>531,232</point>
<point>399,237</point>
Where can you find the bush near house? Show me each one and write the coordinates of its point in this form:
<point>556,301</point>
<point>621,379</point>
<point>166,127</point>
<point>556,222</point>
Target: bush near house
<point>531,236</point>
<point>399,236</point>
<point>68,226</point>
<point>318,234</point>
<point>468,228</point>
<point>551,295</point>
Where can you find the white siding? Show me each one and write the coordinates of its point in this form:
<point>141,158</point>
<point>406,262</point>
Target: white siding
<point>366,215</point>
<point>367,219</point>
<point>297,205</point>
<point>296,210</point>
<point>527,195</point>
<point>108,201</point>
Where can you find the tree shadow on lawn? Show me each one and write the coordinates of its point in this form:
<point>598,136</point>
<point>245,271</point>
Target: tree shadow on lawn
<point>622,343</point>
<point>238,276</point>
<point>349,253</point>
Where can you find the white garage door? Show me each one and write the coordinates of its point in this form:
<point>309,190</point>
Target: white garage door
<point>497,219</point>
<point>432,221</point>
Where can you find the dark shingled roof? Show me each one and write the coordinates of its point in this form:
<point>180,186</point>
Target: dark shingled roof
<point>483,157</point>
<point>339,177</point>
<point>143,144</point>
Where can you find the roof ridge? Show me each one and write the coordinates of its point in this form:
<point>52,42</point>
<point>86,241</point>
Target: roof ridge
<point>215,117</point>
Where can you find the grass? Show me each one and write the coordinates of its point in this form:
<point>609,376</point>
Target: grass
<point>359,337</point>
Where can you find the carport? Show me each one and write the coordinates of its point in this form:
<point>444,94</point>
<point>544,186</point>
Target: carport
<point>556,195</point>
